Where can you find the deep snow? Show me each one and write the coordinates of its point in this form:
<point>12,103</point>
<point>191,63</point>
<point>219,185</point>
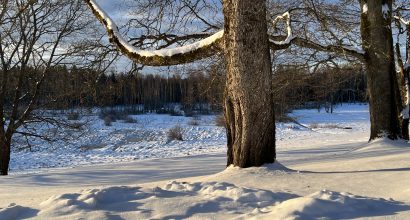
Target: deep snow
<point>328,172</point>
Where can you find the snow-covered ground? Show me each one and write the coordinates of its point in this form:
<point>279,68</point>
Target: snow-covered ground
<point>147,138</point>
<point>325,171</point>
<point>97,143</point>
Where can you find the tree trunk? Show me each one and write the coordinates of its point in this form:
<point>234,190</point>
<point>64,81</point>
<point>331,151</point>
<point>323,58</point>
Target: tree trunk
<point>403,82</point>
<point>381,75</point>
<point>4,155</point>
<point>405,129</point>
<point>406,73</point>
<point>249,109</point>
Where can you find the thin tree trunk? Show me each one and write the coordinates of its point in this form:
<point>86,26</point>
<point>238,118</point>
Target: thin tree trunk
<point>4,155</point>
<point>406,72</point>
<point>381,75</point>
<point>403,82</point>
<point>249,109</point>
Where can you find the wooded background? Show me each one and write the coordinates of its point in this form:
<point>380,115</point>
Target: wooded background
<point>196,91</point>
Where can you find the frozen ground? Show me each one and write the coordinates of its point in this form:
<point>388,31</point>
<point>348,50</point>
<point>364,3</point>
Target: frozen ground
<point>328,172</point>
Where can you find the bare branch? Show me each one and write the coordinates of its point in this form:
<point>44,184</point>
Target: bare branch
<point>277,44</point>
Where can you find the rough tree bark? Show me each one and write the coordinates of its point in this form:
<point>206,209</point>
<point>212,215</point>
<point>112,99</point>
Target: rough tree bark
<point>249,109</point>
<point>379,61</point>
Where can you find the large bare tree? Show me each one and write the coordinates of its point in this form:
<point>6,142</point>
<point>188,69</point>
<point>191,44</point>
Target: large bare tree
<point>249,109</point>
<point>34,38</point>
<point>377,38</point>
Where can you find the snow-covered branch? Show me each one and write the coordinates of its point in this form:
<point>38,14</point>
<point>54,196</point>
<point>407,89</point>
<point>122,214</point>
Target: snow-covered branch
<point>406,23</point>
<point>163,57</point>
<point>289,37</point>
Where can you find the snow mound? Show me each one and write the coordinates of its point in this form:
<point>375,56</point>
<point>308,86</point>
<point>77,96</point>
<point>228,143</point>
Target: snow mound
<point>175,200</point>
<point>203,200</point>
<point>327,204</point>
<point>95,202</point>
<point>268,169</point>
<point>223,190</point>
<point>14,211</point>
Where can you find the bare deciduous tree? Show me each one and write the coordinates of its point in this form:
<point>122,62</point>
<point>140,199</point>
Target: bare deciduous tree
<point>33,40</point>
<point>249,107</point>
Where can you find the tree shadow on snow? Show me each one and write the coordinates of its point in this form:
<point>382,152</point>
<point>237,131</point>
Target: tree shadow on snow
<point>359,171</point>
<point>109,176</point>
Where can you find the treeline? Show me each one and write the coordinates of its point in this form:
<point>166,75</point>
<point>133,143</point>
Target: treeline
<point>298,87</point>
<point>71,87</point>
<point>199,91</point>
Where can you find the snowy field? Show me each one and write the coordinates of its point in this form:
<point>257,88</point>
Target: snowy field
<point>97,143</point>
<point>326,170</point>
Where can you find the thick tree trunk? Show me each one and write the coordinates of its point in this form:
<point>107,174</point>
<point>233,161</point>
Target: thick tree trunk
<point>249,109</point>
<point>381,75</point>
<point>4,155</point>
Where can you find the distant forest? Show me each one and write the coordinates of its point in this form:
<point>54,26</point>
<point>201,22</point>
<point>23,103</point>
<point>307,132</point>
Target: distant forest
<point>198,91</point>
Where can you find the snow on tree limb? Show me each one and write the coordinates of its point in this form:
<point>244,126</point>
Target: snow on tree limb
<point>289,37</point>
<point>407,23</point>
<point>365,9</point>
<point>164,57</point>
<point>208,46</point>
